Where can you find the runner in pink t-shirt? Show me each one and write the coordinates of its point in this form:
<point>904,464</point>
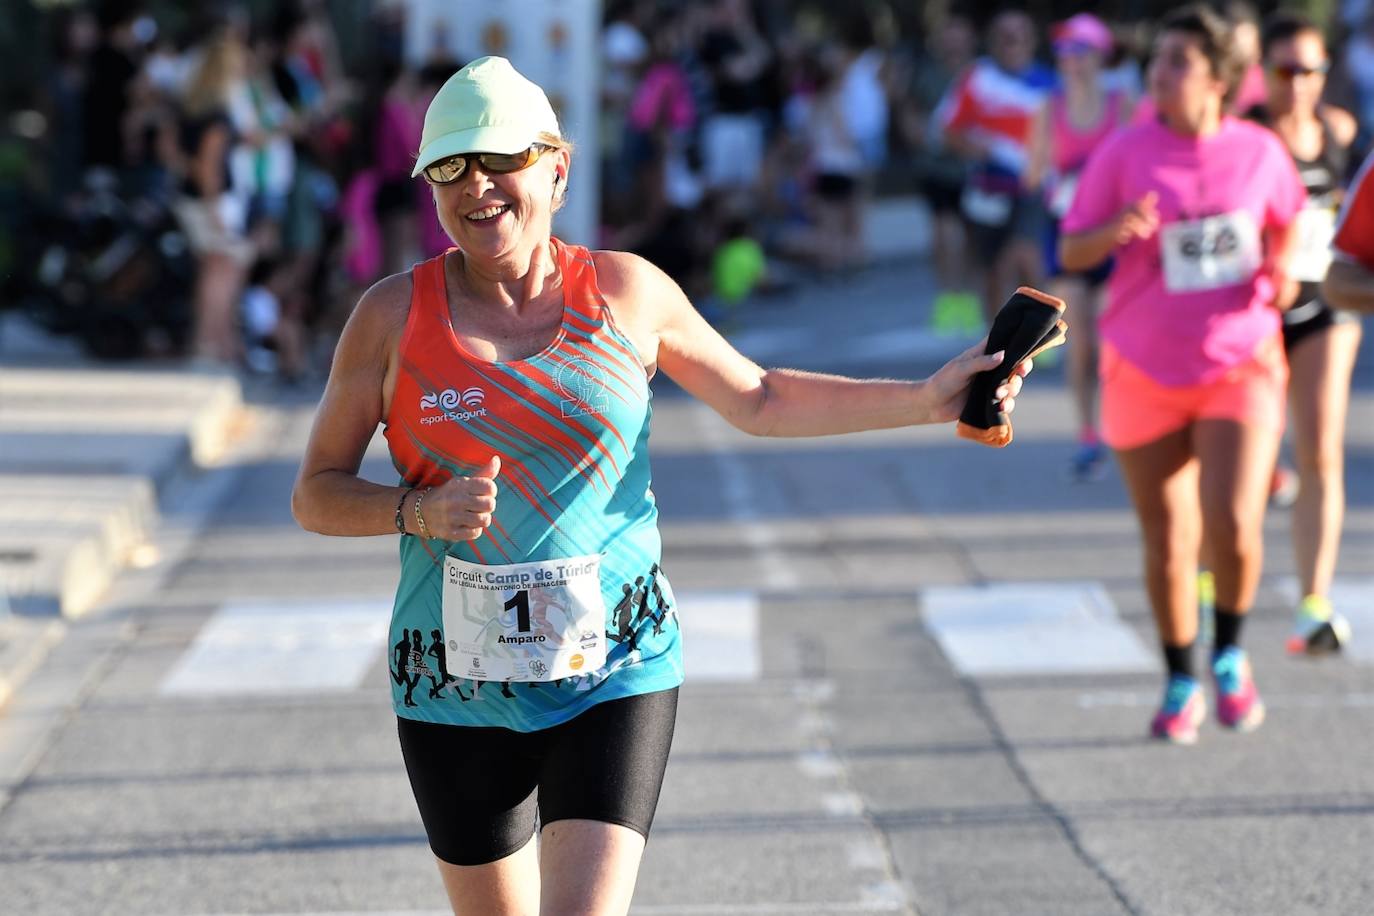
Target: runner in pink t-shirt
<point>1191,301</point>
<point>1199,211</point>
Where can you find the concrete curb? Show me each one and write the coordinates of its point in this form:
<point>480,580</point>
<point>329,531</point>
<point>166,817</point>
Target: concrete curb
<point>84,456</point>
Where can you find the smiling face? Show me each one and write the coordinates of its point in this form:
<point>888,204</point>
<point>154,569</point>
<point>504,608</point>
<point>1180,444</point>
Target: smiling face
<point>1294,73</point>
<point>493,216</point>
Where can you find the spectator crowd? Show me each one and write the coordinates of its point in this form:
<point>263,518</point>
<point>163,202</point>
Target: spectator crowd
<point>736,138</point>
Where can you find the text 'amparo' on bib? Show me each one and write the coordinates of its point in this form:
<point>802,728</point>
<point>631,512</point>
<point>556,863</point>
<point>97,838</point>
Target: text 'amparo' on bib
<point>539,621</point>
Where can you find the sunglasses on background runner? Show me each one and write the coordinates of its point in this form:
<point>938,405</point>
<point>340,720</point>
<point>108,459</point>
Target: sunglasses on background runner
<point>1073,48</point>
<point>447,171</point>
<point>1292,71</point>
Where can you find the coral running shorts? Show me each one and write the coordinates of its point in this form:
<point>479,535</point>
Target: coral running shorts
<point>1137,410</point>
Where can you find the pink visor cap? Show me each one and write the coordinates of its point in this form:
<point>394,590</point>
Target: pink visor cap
<point>1086,30</point>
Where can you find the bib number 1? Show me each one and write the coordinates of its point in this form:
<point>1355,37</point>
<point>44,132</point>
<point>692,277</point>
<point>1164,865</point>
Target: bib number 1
<point>521,605</point>
<point>539,621</point>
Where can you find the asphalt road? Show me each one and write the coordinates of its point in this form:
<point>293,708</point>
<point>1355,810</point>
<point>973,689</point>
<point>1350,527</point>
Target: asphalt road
<point>919,678</point>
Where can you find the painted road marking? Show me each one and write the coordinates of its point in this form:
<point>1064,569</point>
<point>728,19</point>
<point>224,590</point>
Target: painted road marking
<point>1353,597</point>
<point>820,764</point>
<point>720,636</point>
<point>1033,628</point>
<point>844,804</point>
<point>259,647</point>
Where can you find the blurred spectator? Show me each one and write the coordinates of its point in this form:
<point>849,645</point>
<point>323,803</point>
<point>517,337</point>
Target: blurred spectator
<point>662,190</point>
<point>838,164</point>
<point>624,51</point>
<point>1078,116</point>
<point>863,97</point>
<point>213,212</point>
<point>150,139</point>
<point>987,119</point>
<point>165,67</point>
<point>263,161</point>
<point>400,120</point>
<point>1246,31</point>
<point>1121,72</point>
<point>949,51</point>
<point>111,68</point>
<point>733,133</point>
<point>312,51</point>
<point>1358,61</point>
<point>433,239</point>
<point>75,34</point>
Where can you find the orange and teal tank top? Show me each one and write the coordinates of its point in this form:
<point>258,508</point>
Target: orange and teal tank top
<point>571,426</point>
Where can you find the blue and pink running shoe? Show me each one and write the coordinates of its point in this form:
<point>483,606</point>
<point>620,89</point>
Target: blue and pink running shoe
<point>1183,711</point>
<point>1238,702</point>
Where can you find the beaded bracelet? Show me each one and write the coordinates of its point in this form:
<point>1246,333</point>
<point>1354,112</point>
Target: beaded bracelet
<point>420,519</point>
<point>400,504</point>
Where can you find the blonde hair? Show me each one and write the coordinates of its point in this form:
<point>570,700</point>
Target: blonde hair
<point>220,65</point>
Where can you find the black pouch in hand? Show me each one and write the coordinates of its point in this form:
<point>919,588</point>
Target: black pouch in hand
<point>1029,323</point>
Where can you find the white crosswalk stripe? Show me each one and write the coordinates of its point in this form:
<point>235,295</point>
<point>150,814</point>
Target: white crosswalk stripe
<point>1033,628</point>
<point>278,647</point>
<point>1008,628</point>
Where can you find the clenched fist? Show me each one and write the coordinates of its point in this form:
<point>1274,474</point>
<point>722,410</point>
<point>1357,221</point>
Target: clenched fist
<point>460,508</point>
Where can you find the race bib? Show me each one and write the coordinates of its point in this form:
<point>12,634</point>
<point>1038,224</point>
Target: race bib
<point>1316,231</point>
<point>1210,253</point>
<point>538,621</point>
<point>986,207</point>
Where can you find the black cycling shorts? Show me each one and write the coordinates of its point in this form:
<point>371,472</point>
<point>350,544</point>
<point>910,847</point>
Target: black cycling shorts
<point>478,788</point>
<point>1311,316</point>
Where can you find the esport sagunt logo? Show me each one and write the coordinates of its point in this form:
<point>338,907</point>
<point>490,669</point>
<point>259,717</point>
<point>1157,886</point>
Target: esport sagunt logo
<point>456,405</point>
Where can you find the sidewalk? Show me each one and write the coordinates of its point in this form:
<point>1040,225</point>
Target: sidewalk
<point>85,451</point>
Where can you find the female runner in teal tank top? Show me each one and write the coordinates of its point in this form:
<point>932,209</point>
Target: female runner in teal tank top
<point>534,644</point>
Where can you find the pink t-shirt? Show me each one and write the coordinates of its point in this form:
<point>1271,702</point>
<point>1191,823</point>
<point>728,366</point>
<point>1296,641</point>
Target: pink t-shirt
<point>1191,301</point>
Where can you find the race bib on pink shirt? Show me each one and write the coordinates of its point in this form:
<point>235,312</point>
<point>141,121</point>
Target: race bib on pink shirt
<point>1210,253</point>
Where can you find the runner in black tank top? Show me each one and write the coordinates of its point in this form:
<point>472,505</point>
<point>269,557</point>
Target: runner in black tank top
<point>1321,341</point>
<point>1324,177</point>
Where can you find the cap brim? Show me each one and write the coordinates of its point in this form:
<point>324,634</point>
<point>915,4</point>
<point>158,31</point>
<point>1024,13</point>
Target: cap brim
<point>493,138</point>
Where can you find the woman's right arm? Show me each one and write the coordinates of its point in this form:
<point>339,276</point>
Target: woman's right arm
<point>329,497</point>
<point>1085,250</point>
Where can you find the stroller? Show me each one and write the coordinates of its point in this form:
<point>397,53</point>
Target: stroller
<point>115,271</point>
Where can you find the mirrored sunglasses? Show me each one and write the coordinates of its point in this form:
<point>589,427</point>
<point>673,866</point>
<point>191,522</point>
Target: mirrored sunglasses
<point>447,171</point>
<point>1072,48</point>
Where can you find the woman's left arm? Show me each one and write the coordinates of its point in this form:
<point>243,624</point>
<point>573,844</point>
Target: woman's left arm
<point>650,307</point>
